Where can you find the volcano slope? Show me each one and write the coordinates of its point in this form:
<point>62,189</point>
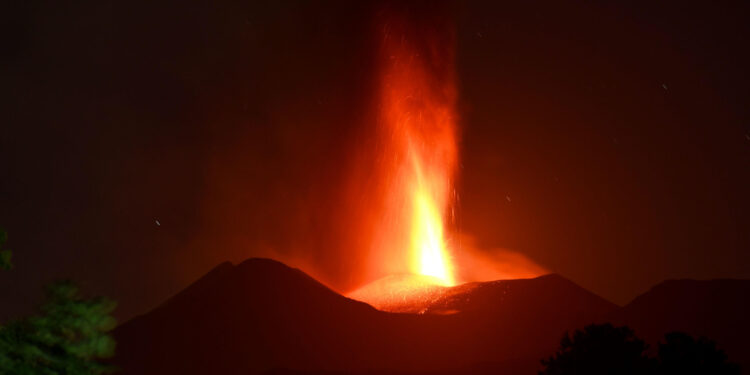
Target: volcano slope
<point>261,316</point>
<point>716,309</point>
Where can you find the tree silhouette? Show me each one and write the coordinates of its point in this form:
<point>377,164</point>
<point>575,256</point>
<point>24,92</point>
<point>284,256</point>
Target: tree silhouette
<point>599,349</point>
<point>69,336</point>
<point>684,355</point>
<point>605,349</point>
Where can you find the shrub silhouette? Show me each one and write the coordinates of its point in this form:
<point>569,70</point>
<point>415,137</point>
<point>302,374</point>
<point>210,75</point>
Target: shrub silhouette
<point>605,349</point>
<point>599,349</point>
<point>68,336</point>
<point>684,355</point>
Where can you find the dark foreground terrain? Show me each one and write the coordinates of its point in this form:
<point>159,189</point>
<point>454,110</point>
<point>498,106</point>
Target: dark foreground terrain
<point>261,316</point>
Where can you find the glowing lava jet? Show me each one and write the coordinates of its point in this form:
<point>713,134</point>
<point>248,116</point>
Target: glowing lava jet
<point>418,139</point>
<point>417,98</point>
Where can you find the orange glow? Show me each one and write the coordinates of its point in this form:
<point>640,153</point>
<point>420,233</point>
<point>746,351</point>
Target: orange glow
<point>417,120</point>
<point>403,181</point>
<point>427,244</point>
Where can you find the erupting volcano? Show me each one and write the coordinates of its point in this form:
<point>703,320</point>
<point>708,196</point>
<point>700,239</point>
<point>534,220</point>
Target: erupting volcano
<point>418,134</point>
<point>418,116</point>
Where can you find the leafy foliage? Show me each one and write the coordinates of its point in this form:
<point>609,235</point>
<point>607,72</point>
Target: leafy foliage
<point>68,337</point>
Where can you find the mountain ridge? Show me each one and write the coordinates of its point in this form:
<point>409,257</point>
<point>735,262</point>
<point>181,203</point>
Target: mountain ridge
<point>261,315</point>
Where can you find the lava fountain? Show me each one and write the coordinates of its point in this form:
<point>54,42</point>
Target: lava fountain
<point>417,115</point>
<point>417,135</point>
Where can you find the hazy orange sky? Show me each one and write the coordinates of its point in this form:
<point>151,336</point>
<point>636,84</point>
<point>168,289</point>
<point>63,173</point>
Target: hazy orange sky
<point>605,143</point>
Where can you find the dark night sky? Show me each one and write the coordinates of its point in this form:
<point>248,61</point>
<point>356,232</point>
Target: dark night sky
<point>621,133</point>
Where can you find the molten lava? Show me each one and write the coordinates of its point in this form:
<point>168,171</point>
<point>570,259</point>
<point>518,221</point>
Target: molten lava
<point>411,183</point>
<point>417,116</point>
<point>428,248</point>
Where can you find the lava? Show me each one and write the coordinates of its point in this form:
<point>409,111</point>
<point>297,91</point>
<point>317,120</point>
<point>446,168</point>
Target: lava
<point>417,120</point>
<point>409,191</point>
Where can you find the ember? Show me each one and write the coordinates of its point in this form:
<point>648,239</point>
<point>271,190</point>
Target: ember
<point>418,124</point>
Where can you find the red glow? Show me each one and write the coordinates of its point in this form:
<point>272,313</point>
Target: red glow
<point>417,126</point>
<point>414,254</point>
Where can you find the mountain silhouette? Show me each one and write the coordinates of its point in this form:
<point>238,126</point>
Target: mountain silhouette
<point>716,309</point>
<point>261,316</point>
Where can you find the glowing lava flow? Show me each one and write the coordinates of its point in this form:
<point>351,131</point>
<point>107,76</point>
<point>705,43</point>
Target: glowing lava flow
<point>417,113</point>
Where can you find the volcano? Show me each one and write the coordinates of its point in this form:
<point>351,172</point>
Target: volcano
<point>262,315</point>
<point>717,309</point>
